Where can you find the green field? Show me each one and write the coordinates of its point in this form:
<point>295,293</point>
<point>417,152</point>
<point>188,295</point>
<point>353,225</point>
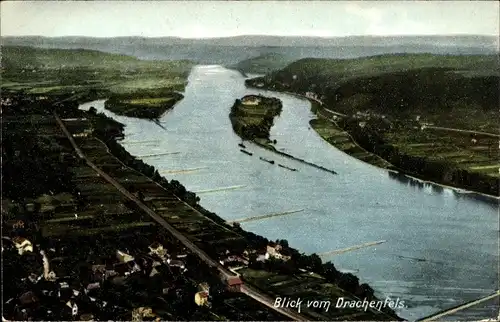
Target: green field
<point>63,71</point>
<point>149,101</point>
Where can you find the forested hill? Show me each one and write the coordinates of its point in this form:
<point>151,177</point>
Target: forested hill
<point>397,82</point>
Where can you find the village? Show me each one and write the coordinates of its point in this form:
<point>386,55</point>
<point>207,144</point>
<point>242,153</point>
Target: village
<point>75,248</point>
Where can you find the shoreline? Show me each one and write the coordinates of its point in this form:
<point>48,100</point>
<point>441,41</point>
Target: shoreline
<point>250,236</point>
<point>399,171</point>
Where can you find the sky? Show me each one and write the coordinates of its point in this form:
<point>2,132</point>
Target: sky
<point>206,19</point>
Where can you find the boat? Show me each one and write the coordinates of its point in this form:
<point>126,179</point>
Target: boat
<point>291,169</point>
<point>241,145</point>
<point>246,152</point>
<point>263,159</point>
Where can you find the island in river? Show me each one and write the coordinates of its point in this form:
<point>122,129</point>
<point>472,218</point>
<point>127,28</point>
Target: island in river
<point>149,105</point>
<point>429,116</point>
<point>253,116</point>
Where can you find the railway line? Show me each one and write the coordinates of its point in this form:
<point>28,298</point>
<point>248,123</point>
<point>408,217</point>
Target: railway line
<point>226,275</point>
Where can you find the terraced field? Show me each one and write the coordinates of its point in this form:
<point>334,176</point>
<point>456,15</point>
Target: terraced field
<point>334,135</point>
<point>459,148</point>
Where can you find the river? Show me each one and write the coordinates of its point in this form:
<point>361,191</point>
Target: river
<point>442,245</point>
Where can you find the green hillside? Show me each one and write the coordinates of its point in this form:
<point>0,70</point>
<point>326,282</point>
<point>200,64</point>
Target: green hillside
<point>373,65</point>
<point>263,64</point>
<point>59,71</point>
<point>25,57</point>
<point>432,116</point>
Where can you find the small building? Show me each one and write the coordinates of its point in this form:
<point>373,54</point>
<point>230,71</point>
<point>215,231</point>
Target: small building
<point>234,283</point>
<point>201,298</point>
<point>250,100</point>
<point>22,245</point>
<point>123,257</point>
<point>274,252</point>
<point>74,308</point>
<point>473,141</point>
<point>362,124</point>
<point>138,314</point>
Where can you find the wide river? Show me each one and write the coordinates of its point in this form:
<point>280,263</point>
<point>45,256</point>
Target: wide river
<point>441,245</point>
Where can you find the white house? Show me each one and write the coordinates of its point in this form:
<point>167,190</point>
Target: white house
<point>274,252</point>
<point>250,100</point>
<point>123,257</point>
<point>23,245</point>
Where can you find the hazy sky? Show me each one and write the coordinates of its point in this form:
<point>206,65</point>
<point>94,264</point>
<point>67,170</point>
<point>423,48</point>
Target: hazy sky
<point>193,19</point>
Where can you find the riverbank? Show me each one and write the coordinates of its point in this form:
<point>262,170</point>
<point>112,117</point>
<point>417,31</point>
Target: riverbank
<point>252,241</point>
<point>359,137</point>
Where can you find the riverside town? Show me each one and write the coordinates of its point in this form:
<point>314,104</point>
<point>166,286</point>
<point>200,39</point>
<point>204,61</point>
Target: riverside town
<point>250,160</point>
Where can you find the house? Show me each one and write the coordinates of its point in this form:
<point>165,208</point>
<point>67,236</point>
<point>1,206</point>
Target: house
<point>74,308</point>
<point>234,283</point>
<point>473,141</point>
<point>250,100</point>
<point>158,250</point>
<point>201,298</point>
<point>362,124</point>
<point>138,314</point>
<point>123,257</point>
<point>311,95</point>
<point>261,258</point>
<point>22,244</point>
<point>274,252</point>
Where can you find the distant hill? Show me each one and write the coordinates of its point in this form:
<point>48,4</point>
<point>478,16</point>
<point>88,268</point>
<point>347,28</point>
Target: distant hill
<point>232,50</point>
<point>19,57</point>
<point>263,64</point>
<point>337,70</point>
<point>480,41</point>
<point>403,80</point>
<point>42,70</point>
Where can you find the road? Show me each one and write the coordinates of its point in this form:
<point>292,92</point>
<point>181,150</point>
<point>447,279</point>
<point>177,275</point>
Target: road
<point>245,289</point>
<point>462,131</point>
